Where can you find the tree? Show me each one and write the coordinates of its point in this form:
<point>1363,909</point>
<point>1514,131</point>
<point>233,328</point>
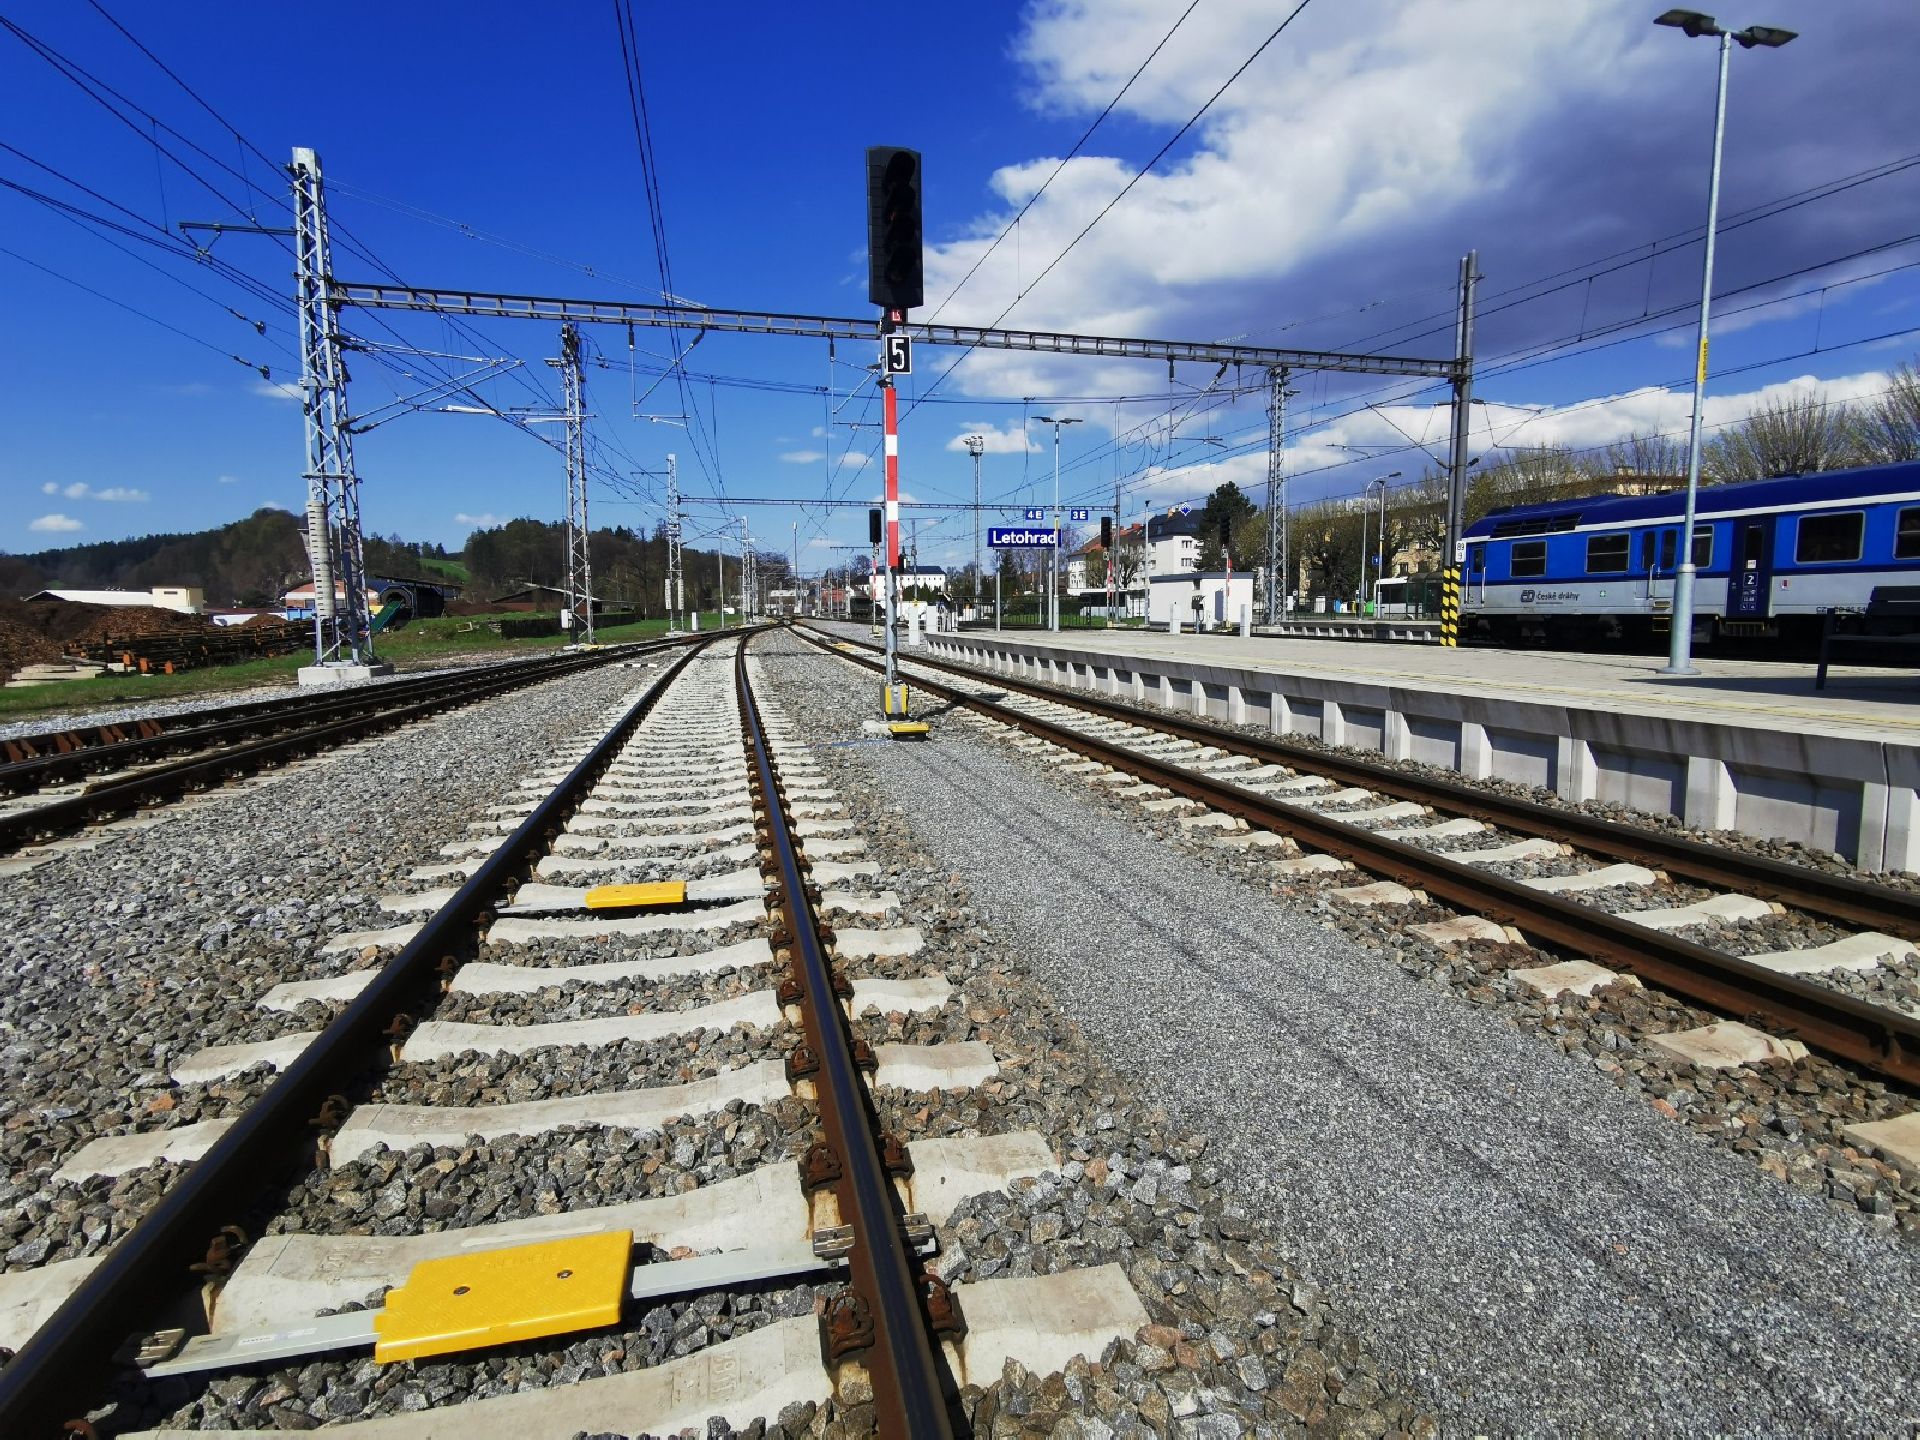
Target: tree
<point>1656,455</point>
<point>1129,555</point>
<point>1417,514</point>
<point>1327,539</point>
<point>1782,437</point>
<point>1225,506</point>
<point>1888,429</point>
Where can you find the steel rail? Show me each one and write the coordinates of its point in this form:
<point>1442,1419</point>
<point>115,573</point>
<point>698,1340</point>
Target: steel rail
<point>1842,899</point>
<point>1871,1036</point>
<point>51,1379</point>
<point>907,1389</point>
<point>69,754</point>
<point>21,827</point>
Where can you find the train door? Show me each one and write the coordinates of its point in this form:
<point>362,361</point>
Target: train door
<point>1750,575</point>
<point>1659,561</point>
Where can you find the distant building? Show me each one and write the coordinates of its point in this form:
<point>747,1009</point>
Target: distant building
<point>1087,568</point>
<point>1173,543</point>
<point>188,600</point>
<point>297,603</point>
<point>1206,597</point>
<point>929,577</point>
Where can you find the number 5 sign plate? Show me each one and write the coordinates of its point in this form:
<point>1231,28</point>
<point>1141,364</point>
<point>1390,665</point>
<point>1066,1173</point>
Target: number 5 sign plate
<point>899,355</point>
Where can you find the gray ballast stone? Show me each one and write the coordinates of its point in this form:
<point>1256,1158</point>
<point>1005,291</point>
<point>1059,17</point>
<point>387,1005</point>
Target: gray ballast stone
<point>1540,1251</point>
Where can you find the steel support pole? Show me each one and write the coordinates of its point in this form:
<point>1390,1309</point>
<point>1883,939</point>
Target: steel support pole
<point>1680,639</point>
<point>676,562</point>
<point>1457,460</point>
<point>1053,553</point>
<point>1362,601</point>
<point>1380,559</point>
<point>976,447</point>
<point>1277,584</point>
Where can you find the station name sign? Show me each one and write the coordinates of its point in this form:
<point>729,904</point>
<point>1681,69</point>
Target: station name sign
<point>1014,537</point>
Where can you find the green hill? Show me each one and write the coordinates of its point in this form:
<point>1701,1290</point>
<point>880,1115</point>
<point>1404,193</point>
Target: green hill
<point>250,562</point>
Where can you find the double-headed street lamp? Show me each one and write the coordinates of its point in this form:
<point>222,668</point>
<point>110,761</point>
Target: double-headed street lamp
<point>1695,24</point>
<point>1380,564</point>
<point>1053,558</point>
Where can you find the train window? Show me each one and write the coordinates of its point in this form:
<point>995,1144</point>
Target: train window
<point>1608,553</point>
<point>1477,559</point>
<point>1646,549</point>
<point>1906,534</point>
<point>1829,539</point>
<point>1702,546</point>
<point>1669,542</point>
<point>1529,559</point>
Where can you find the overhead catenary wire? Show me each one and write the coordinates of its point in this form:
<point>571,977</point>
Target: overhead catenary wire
<point>1078,146</point>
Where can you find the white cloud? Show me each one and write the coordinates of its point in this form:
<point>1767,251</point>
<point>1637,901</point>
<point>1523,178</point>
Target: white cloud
<point>229,479</point>
<point>1344,128</point>
<point>1581,425</point>
<point>819,432</point>
<point>1319,456</point>
<point>80,490</point>
<point>856,460</point>
<point>1013,440</point>
<point>482,521</point>
<point>803,457</point>
<point>59,524</point>
<point>275,389</point>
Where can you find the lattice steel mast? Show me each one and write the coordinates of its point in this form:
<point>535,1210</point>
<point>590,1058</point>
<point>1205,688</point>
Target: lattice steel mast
<point>579,550</point>
<point>676,576</point>
<point>342,628</point>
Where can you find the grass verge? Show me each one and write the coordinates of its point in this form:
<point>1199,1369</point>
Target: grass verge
<point>421,645</point>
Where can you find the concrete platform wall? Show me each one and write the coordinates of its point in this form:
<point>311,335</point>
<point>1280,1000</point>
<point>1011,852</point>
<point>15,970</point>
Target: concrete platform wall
<point>1858,797</point>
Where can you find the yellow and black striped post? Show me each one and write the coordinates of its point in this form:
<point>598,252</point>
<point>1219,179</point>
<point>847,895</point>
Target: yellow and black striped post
<point>1450,606</point>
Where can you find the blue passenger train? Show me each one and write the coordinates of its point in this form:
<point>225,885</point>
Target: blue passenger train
<point>1772,557</point>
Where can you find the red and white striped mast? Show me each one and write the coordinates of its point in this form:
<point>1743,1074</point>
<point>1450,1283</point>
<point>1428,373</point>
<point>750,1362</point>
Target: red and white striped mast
<point>890,404</point>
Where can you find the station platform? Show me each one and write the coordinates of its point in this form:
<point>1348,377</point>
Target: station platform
<point>1745,745</point>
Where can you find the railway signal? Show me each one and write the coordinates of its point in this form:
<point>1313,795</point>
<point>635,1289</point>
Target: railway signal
<point>894,276</point>
<point>894,283</point>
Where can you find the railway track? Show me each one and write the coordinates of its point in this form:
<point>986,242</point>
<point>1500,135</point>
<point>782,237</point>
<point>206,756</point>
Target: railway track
<point>695,841</point>
<point>1510,869</point>
<point>61,781</point>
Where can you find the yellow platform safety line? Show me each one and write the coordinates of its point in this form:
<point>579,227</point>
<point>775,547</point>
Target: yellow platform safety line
<point>637,897</point>
<point>495,1297</point>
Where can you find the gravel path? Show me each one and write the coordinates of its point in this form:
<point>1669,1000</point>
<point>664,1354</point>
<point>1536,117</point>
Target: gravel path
<point>1540,1252</point>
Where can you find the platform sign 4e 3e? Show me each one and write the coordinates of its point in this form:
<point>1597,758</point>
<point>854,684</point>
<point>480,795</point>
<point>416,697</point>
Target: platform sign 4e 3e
<point>1076,514</point>
<point>899,355</point>
<point>1033,512</point>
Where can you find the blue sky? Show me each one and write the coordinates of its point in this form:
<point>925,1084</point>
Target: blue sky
<point>1323,200</point>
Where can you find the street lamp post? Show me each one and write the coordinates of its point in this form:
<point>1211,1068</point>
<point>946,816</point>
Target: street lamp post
<point>976,446</point>
<point>1053,555</point>
<point>1380,540</point>
<point>1695,24</point>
